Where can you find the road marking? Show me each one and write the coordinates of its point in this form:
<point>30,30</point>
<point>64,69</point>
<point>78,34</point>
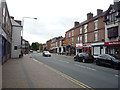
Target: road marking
<point>63,61</point>
<point>38,61</point>
<point>117,75</point>
<point>85,67</point>
<point>66,76</point>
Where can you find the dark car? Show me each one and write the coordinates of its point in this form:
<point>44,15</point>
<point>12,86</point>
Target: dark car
<point>108,60</point>
<point>84,57</point>
<point>46,53</point>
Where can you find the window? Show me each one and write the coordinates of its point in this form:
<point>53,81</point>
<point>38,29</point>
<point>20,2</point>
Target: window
<point>72,40</point>
<point>80,38</point>
<point>111,17</point>
<point>96,35</point>
<point>72,32</point>
<point>85,37</point>
<point>15,47</point>
<point>81,30</point>
<point>3,14</point>
<point>96,24</point>
<point>85,28</point>
<point>113,32</point>
<point>69,34</point>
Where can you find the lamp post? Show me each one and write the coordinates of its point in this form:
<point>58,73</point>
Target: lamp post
<point>23,22</point>
<point>22,32</point>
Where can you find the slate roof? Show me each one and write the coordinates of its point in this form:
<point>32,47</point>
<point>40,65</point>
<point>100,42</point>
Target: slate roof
<point>14,23</point>
<point>89,20</point>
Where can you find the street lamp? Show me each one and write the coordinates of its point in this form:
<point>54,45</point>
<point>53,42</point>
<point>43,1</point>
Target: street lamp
<point>22,31</point>
<point>23,22</point>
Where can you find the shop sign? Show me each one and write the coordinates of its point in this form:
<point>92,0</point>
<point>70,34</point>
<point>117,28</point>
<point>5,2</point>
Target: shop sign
<point>79,45</point>
<point>97,44</point>
<point>112,43</point>
<point>86,45</point>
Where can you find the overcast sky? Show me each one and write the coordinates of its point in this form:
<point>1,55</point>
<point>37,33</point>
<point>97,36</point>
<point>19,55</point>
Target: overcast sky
<point>54,17</point>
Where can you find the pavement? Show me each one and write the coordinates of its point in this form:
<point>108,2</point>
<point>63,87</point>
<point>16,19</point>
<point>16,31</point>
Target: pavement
<point>27,72</point>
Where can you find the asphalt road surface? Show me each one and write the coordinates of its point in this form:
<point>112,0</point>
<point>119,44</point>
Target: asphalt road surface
<point>87,73</point>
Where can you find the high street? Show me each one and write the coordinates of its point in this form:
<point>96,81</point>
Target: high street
<point>87,73</point>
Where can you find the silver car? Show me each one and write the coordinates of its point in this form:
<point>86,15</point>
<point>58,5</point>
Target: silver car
<point>46,54</point>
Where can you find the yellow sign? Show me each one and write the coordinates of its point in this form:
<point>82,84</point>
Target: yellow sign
<point>65,42</point>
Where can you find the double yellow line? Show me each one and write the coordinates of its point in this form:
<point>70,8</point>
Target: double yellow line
<point>68,77</point>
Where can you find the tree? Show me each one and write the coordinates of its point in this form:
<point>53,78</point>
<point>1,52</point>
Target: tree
<point>35,46</point>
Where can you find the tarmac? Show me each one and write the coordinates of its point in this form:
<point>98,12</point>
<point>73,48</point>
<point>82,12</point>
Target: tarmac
<point>27,72</point>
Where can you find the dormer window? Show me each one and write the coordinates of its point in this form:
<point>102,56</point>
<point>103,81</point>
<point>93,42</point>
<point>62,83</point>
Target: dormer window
<point>111,17</point>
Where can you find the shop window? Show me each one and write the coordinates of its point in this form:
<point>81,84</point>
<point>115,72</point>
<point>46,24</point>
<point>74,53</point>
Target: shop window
<point>113,32</point>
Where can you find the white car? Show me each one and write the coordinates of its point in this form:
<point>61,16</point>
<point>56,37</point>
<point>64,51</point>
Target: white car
<point>46,53</point>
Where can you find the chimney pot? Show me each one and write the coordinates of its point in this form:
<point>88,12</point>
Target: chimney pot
<point>76,23</point>
<point>89,15</point>
<point>99,11</point>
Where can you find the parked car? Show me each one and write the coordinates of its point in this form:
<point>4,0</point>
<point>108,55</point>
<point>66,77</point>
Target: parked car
<point>84,57</point>
<point>46,53</point>
<point>108,60</point>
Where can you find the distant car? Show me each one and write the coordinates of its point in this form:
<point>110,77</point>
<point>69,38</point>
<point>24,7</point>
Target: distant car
<point>84,57</point>
<point>46,53</point>
<point>108,60</point>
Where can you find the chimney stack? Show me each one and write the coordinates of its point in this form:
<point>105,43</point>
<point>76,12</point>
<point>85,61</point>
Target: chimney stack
<point>99,11</point>
<point>89,15</point>
<point>76,23</point>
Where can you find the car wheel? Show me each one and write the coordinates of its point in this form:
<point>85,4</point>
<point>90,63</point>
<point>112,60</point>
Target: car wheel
<point>83,60</point>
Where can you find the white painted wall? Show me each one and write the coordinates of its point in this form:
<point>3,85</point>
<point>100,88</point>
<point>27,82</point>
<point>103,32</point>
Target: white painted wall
<point>106,33</point>
<point>16,41</point>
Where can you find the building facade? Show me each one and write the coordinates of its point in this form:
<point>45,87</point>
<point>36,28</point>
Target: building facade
<point>16,38</point>
<point>5,32</point>
<point>112,29</point>
<point>25,47</point>
<point>87,36</point>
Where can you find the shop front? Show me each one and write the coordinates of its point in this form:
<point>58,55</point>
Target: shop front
<point>98,48</point>
<point>79,48</point>
<point>87,48</point>
<point>113,48</point>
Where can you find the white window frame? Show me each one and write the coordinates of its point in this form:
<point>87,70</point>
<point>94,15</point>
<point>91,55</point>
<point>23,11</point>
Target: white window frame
<point>96,35</point>
<point>80,38</point>
<point>69,34</point>
<point>86,38</point>
<point>95,24</point>
<point>80,30</point>
<point>72,32</point>
<point>85,28</point>
<point>72,39</point>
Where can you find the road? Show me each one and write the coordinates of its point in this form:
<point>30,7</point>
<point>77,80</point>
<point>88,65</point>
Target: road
<point>87,73</point>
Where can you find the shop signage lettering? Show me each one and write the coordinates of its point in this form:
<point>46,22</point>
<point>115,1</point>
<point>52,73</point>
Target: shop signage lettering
<point>112,43</point>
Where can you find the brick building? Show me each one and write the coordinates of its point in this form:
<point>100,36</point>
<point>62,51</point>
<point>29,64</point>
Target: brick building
<point>85,36</point>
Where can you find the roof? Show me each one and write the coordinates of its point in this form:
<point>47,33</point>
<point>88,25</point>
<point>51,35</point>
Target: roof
<point>14,23</point>
<point>116,7</point>
<point>89,20</point>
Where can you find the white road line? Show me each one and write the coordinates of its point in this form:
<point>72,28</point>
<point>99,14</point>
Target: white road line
<point>117,75</point>
<point>85,67</point>
<point>63,61</point>
<point>37,61</point>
